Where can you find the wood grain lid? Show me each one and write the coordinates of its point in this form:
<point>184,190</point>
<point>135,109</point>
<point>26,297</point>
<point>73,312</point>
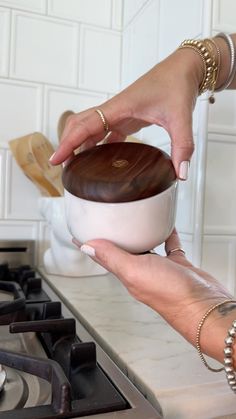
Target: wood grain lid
<point>119,172</point>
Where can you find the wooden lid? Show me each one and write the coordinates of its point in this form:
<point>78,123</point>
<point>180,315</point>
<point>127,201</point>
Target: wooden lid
<point>119,172</point>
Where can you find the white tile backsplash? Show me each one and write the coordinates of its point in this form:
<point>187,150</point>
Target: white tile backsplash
<point>219,259</point>
<point>179,20</point>
<point>20,107</point>
<point>220,202</point>
<point>100,56</point>
<point>2,180</point>
<point>36,6</point>
<point>18,187</point>
<point>222,116</point>
<point>117,14</point>
<point>140,43</point>
<point>87,11</point>
<point>4,40</point>
<point>224,15</point>
<point>58,100</point>
<point>34,53</point>
<point>131,9</point>
<point>18,230</point>
<point>43,241</point>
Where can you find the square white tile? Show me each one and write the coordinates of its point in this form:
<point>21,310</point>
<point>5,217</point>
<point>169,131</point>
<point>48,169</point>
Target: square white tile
<point>87,11</point>
<point>21,194</point>
<point>220,191</point>
<point>18,230</point>
<point>59,100</point>
<point>36,6</point>
<point>2,180</point>
<point>100,60</point>
<point>4,41</point>
<point>20,106</point>
<point>44,49</point>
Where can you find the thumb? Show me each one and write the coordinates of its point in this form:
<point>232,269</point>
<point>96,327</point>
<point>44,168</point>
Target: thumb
<point>182,145</point>
<point>110,256</point>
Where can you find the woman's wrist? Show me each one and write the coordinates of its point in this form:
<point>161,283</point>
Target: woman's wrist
<point>214,326</point>
<point>194,67</point>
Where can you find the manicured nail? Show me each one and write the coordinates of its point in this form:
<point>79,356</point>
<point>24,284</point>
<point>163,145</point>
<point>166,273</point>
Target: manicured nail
<point>51,158</point>
<point>88,250</point>
<point>183,170</point>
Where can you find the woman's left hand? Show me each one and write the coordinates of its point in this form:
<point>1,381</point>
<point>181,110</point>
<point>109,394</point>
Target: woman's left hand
<point>171,285</point>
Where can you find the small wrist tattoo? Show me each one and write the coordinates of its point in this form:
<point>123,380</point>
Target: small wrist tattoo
<point>226,309</point>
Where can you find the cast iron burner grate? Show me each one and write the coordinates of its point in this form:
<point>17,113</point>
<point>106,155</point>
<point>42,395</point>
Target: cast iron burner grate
<point>79,386</point>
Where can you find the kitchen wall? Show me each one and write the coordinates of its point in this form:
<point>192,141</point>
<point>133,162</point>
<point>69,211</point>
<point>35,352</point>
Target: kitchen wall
<point>62,54</point>
<point>219,249</point>
<point>207,202</point>
<point>55,55</point>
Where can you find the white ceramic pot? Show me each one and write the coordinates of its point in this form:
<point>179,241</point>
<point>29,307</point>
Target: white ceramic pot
<point>136,226</point>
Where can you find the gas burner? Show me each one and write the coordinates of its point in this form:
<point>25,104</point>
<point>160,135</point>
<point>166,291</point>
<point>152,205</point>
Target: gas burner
<point>15,392</point>
<point>79,386</point>
<point>3,377</point>
<point>49,370</point>
<point>22,390</point>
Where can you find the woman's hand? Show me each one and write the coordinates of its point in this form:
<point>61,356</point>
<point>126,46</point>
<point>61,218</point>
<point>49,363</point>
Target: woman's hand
<point>170,285</point>
<point>164,96</point>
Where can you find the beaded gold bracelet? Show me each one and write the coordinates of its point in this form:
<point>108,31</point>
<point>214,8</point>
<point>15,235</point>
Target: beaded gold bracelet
<point>228,357</point>
<point>209,62</point>
<point>202,321</point>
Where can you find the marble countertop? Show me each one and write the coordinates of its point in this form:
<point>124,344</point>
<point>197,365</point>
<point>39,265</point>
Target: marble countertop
<point>159,361</point>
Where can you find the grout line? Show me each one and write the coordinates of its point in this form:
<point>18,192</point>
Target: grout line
<point>136,14</point>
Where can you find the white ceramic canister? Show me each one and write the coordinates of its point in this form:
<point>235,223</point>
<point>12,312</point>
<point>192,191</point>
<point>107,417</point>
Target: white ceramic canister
<point>122,192</point>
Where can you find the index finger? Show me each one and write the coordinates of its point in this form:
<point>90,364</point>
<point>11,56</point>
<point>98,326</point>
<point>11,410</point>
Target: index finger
<point>79,129</point>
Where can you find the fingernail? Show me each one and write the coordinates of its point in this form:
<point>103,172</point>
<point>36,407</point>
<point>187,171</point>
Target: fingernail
<point>88,250</point>
<point>183,170</point>
<point>51,158</point>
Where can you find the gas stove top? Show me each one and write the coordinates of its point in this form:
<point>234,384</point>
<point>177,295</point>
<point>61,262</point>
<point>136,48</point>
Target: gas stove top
<point>50,367</point>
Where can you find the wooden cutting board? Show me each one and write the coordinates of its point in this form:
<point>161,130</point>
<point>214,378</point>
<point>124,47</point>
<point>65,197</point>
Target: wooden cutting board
<point>32,152</point>
<point>42,150</point>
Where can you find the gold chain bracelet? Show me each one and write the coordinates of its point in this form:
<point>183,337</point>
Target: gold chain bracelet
<point>214,48</point>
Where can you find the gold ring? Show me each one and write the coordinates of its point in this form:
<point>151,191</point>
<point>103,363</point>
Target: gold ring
<point>104,121</point>
<point>176,249</point>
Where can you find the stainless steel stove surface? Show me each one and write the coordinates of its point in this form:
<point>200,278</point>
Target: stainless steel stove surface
<point>50,367</point>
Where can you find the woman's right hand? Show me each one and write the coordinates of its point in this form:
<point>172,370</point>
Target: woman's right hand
<point>164,96</point>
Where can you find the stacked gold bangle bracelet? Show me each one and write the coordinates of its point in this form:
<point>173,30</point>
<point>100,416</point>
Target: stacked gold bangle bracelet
<point>210,55</point>
<point>210,63</point>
